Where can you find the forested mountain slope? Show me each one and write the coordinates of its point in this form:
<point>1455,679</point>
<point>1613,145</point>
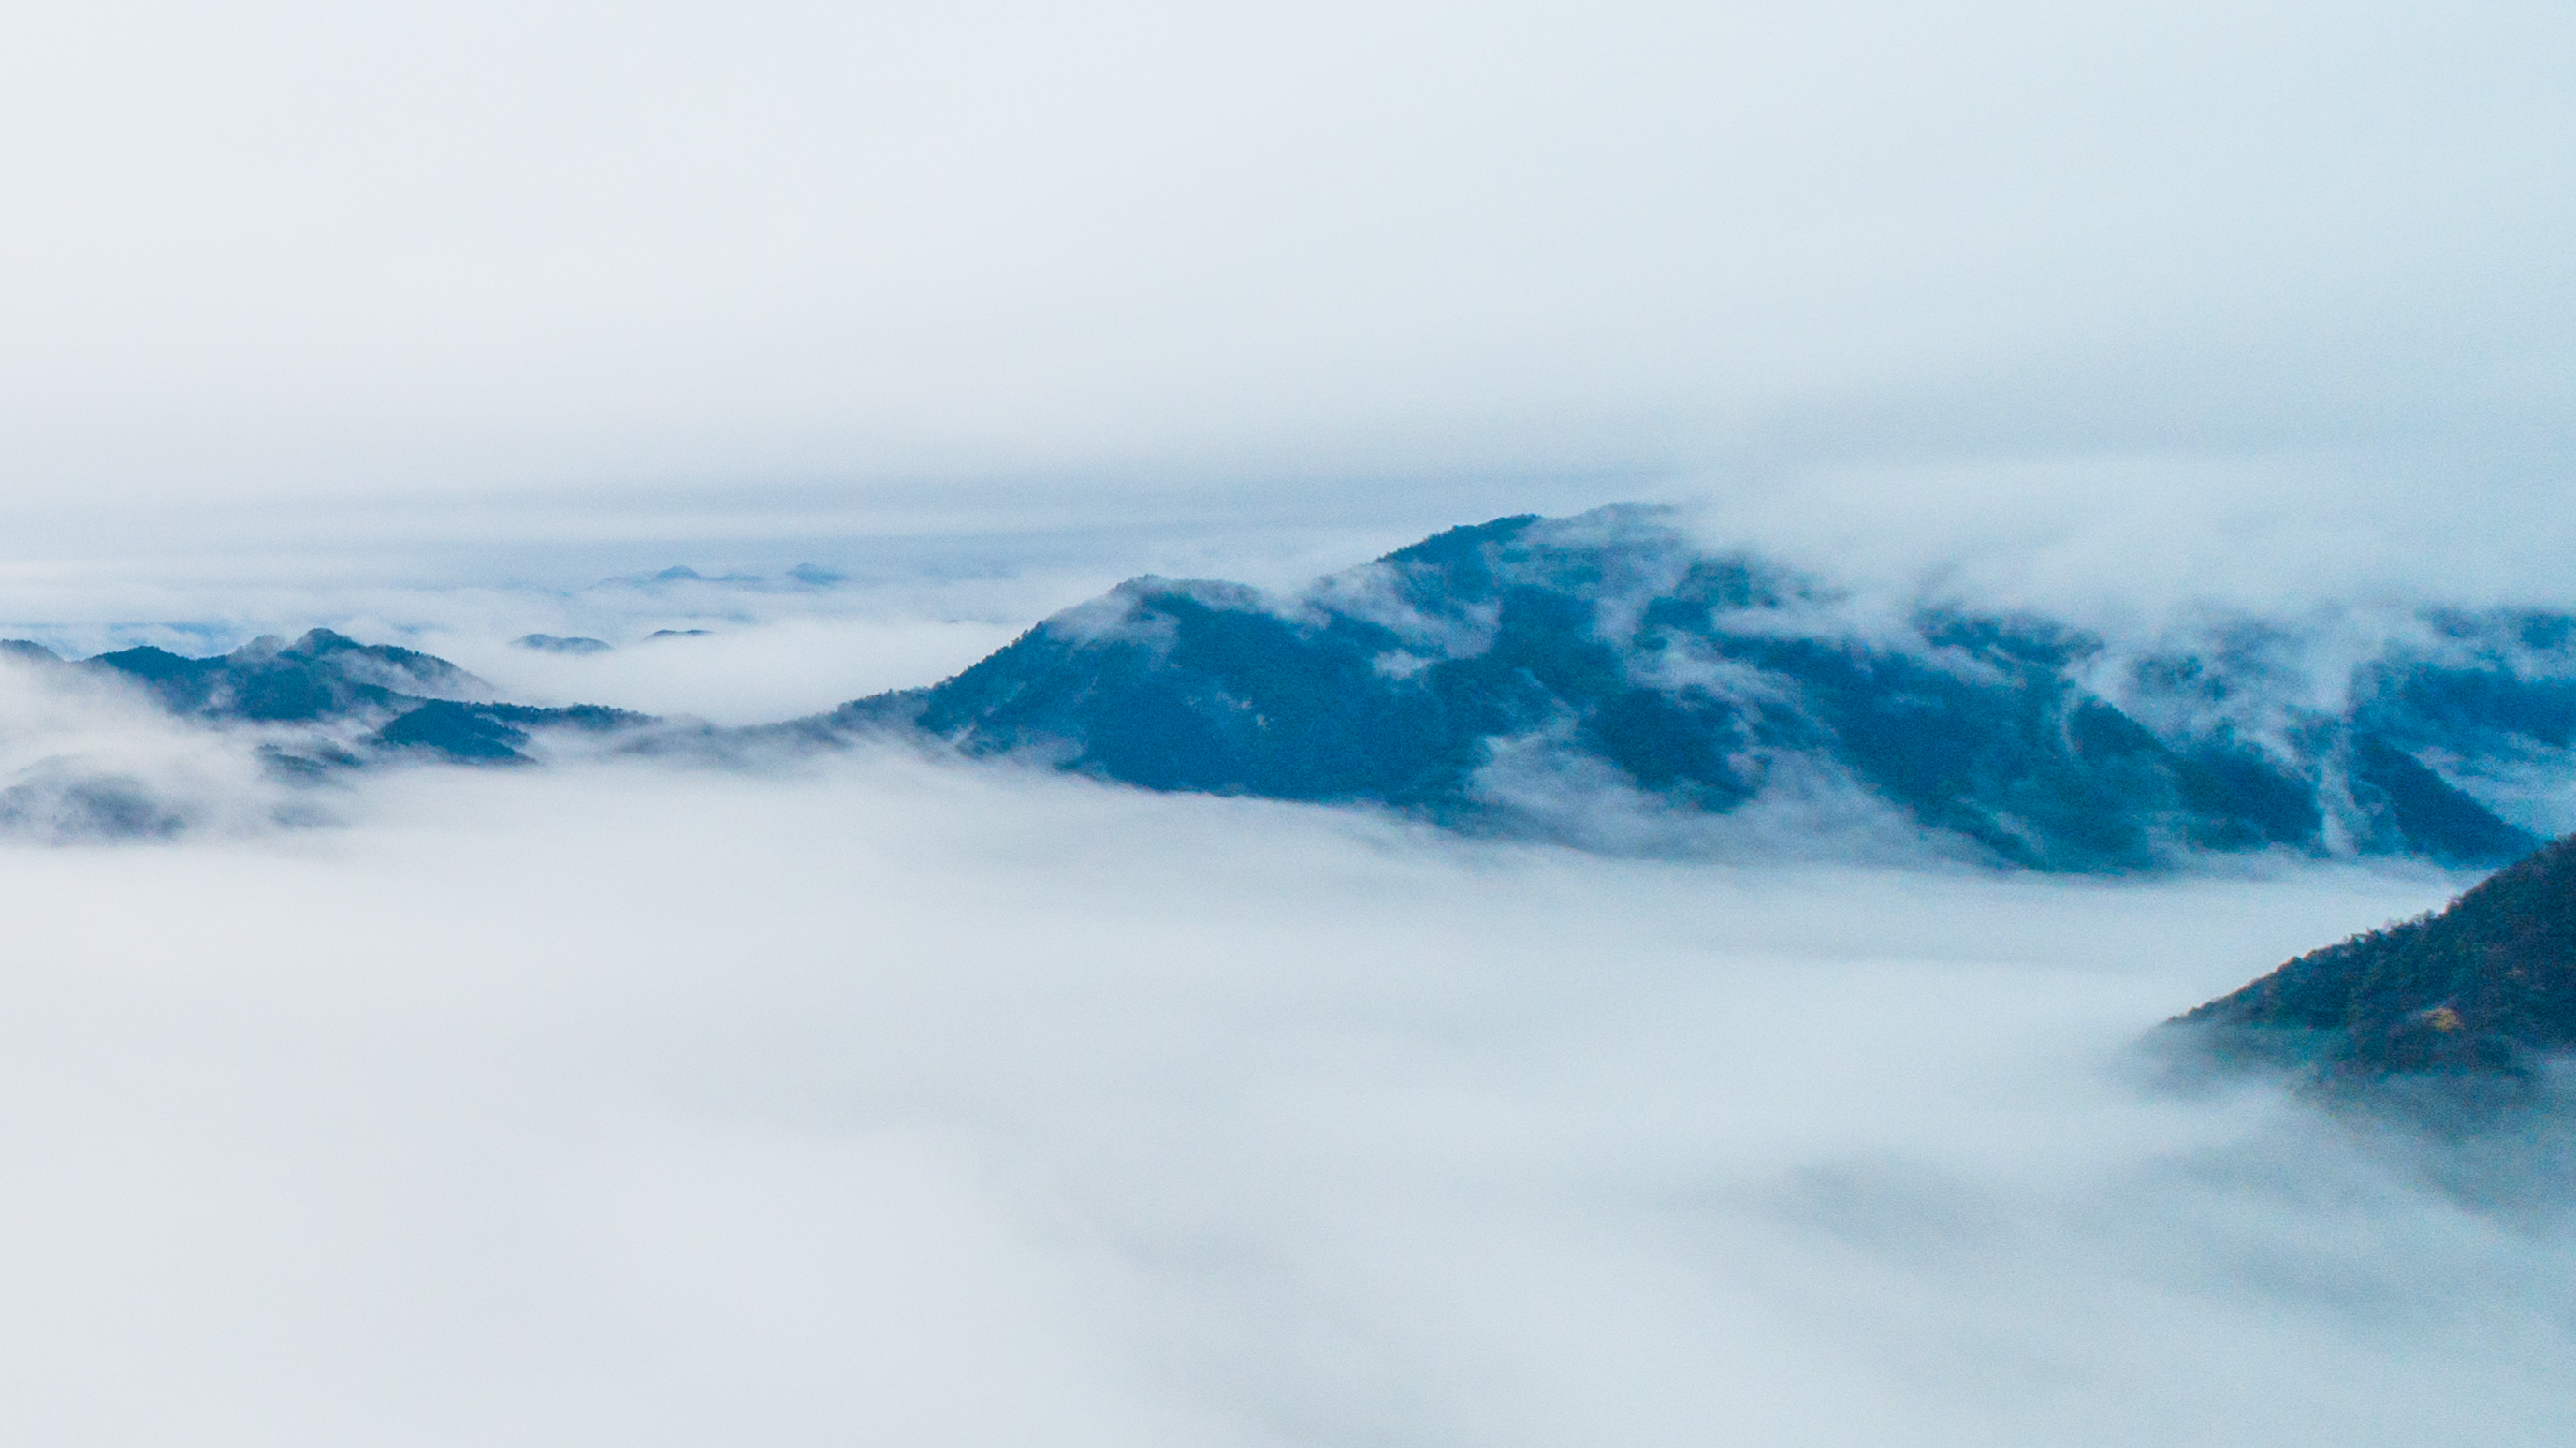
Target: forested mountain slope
<point>2485,987</point>
<point>1604,676</point>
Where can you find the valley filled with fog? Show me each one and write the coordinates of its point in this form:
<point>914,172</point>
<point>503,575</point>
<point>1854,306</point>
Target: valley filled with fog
<point>1421,725</point>
<point>873,1097</point>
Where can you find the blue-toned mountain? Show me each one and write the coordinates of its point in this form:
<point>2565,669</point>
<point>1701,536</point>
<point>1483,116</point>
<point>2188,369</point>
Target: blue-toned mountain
<point>362,701</point>
<point>1606,679</point>
<point>323,675</point>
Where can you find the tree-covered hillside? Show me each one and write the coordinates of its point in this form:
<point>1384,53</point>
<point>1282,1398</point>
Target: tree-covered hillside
<point>2487,986</point>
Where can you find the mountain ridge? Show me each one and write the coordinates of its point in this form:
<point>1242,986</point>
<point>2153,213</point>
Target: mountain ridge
<point>1513,675</point>
<point>390,702</point>
<point>1609,681</point>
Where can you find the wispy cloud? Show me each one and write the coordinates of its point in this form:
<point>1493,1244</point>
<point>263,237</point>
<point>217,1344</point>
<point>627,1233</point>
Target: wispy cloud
<point>89,758</point>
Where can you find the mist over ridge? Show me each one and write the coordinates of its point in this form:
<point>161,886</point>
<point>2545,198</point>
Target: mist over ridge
<point>1612,680</point>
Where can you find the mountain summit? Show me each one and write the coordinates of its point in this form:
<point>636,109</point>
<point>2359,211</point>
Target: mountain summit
<point>322,675</point>
<point>1606,680</point>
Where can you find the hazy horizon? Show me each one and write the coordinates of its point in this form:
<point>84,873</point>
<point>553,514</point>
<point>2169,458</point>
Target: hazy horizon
<point>477,292</point>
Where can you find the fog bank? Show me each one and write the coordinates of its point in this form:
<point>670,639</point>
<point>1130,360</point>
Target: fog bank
<point>903,1103</point>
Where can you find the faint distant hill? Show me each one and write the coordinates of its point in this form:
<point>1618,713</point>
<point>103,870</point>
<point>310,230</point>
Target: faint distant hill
<point>2485,988</point>
<point>802,576</point>
<point>1607,680</point>
<point>557,644</point>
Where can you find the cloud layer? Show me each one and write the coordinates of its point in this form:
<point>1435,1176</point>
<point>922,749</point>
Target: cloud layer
<point>891,1101</point>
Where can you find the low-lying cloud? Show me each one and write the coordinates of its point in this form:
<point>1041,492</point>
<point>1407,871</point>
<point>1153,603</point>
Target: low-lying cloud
<point>753,673</point>
<point>874,1099</point>
<point>87,757</point>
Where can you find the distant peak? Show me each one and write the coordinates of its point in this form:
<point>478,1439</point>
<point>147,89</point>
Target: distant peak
<point>555,644</point>
<point>680,573</point>
<point>322,640</point>
<point>1450,543</point>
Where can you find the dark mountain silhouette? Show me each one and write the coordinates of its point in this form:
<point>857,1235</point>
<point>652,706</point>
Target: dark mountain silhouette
<point>493,733</point>
<point>319,676</point>
<point>403,703</point>
<point>2484,988</point>
<point>1538,675</point>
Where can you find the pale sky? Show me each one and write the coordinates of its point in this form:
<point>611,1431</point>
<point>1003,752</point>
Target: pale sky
<point>1022,260</point>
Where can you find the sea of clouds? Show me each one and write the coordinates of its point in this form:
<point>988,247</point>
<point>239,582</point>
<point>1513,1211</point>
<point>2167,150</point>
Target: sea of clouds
<point>880,1098</point>
<point>873,1098</point>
